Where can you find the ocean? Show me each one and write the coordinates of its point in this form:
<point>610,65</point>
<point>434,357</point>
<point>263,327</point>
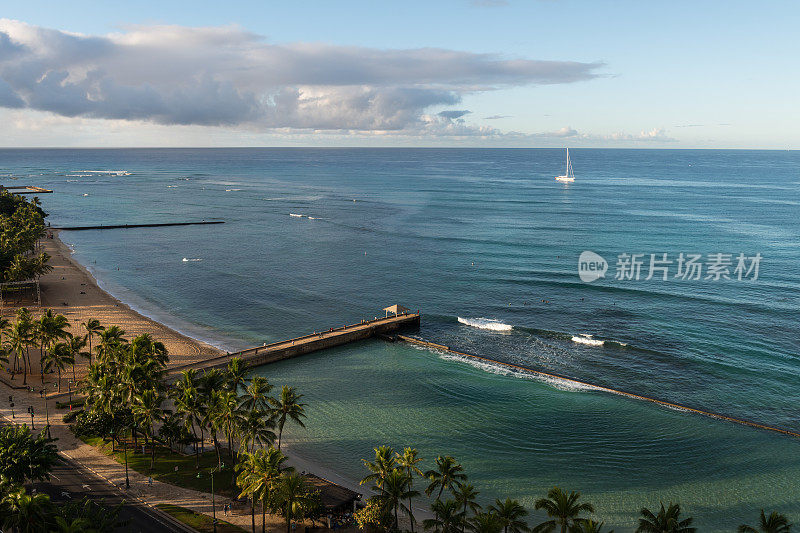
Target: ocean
<point>486,244</point>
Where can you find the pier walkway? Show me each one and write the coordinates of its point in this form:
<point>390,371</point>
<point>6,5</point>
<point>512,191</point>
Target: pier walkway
<point>129,226</point>
<point>319,340</point>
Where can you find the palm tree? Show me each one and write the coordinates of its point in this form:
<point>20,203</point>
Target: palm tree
<point>588,526</point>
<point>228,416</point>
<point>510,512</point>
<point>448,475</point>
<point>76,525</point>
<point>287,407</point>
<point>446,517</point>
<point>774,523</point>
<point>76,344</point>
<point>148,412</point>
<point>465,495</point>
<point>393,490</point>
<point>59,357</point>
<point>186,398</point>
<point>25,513</point>
<point>385,462</point>
<point>666,521</point>
<point>92,327</point>
<point>236,374</point>
<point>485,523</point>
<point>209,385</point>
<point>259,475</point>
<point>16,343</point>
<point>256,395</point>
<point>409,460</point>
<point>51,328</point>
<point>145,348</point>
<point>25,456</point>
<point>255,429</point>
<point>110,338</point>
<point>292,493</point>
<point>562,508</point>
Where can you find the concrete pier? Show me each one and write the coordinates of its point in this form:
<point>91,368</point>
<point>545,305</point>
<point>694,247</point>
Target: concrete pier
<point>313,342</point>
<point>128,226</point>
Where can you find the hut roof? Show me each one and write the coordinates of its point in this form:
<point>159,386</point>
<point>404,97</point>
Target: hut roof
<point>334,497</point>
<point>396,309</point>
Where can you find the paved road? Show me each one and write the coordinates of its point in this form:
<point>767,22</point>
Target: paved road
<point>71,481</point>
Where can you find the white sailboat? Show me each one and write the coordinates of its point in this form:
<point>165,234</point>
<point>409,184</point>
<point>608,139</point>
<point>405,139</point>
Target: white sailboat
<point>569,176</point>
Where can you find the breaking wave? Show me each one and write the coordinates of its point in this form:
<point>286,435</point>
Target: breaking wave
<point>486,323</point>
<point>585,338</point>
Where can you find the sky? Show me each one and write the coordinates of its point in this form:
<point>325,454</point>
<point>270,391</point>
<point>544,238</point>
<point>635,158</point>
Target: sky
<point>493,73</point>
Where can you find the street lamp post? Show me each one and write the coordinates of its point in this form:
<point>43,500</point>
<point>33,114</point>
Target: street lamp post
<point>69,385</point>
<point>11,402</point>
<point>30,410</point>
<point>46,412</point>
<point>213,499</point>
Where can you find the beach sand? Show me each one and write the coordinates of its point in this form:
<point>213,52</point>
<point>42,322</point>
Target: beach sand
<point>72,291</point>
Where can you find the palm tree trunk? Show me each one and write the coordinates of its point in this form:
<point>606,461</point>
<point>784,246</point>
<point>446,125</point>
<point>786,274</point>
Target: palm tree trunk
<point>41,362</point>
<point>230,448</point>
<point>253,513</point>
<point>152,453</point>
<point>264,514</point>
<point>410,517</point>
<point>280,433</point>
<point>24,371</point>
<point>59,379</point>
<point>216,447</point>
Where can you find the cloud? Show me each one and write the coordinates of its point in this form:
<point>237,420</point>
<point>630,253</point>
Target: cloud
<point>566,131</point>
<point>454,113</point>
<point>496,117</point>
<point>225,76</point>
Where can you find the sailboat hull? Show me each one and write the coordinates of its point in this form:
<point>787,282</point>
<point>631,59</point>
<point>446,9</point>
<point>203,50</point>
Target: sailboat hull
<point>565,179</point>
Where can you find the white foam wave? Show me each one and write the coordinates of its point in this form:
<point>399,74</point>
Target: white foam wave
<point>105,172</point>
<point>502,370</point>
<point>486,323</point>
<point>186,260</point>
<point>587,339</point>
<point>296,215</point>
<point>232,190</point>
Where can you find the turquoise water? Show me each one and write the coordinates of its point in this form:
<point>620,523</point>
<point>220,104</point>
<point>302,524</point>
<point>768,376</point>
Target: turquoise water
<point>476,235</point>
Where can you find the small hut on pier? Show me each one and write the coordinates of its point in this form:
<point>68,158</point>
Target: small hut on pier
<point>396,310</point>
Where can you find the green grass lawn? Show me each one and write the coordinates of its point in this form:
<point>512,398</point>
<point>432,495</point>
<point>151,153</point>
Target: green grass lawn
<point>166,461</point>
<point>200,522</point>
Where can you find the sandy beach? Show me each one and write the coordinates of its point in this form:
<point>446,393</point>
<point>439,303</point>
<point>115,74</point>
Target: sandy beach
<point>71,290</point>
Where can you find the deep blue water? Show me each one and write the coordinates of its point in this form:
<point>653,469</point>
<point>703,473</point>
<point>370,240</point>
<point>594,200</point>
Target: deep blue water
<point>481,234</point>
